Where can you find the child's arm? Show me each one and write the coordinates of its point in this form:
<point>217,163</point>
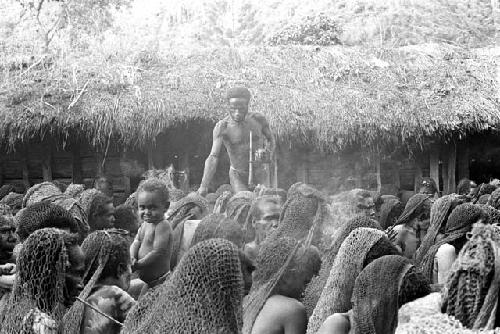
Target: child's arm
<point>134,247</point>
<point>162,245</point>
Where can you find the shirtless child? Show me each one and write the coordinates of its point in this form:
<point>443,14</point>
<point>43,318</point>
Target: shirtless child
<point>152,247</point>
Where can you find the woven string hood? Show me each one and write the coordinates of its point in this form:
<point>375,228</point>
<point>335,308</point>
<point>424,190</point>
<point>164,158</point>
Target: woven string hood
<point>315,287</point>
<point>336,295</point>
<point>376,293</point>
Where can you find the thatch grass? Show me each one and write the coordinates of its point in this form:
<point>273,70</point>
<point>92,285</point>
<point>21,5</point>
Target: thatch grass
<point>326,98</point>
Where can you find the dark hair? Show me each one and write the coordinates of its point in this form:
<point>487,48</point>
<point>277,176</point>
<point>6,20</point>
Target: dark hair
<point>463,186</point>
<point>102,180</point>
<point>41,215</point>
<point>414,285</point>
<point>155,185</point>
<point>97,206</point>
<point>126,218</point>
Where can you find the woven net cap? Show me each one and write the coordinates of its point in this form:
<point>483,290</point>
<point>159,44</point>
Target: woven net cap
<point>349,262</point>
<point>86,198</point>
<point>181,208</point>
<point>221,202</point>
<point>390,210</point>
<point>494,200</point>
<point>218,226</point>
<point>315,287</point>
<point>439,214</point>
<point>271,264</point>
<point>14,200</point>
<point>40,280</point>
<point>305,209</point>
<point>40,192</point>
<point>376,293</point>
<point>203,295</point>
<point>74,190</point>
<point>42,215</point>
<point>413,208</point>
<point>493,214</point>
<point>459,222</point>
<point>97,247</point>
<point>471,292</point>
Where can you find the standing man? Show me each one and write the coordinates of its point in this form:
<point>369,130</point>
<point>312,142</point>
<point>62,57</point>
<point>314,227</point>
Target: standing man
<point>234,132</point>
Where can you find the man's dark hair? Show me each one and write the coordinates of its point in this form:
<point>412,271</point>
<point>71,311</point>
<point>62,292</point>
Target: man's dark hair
<point>126,219</point>
<point>41,215</point>
<point>97,207</point>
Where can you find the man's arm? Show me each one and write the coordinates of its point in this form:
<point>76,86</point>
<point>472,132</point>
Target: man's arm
<point>266,131</point>
<point>162,245</point>
<point>212,159</point>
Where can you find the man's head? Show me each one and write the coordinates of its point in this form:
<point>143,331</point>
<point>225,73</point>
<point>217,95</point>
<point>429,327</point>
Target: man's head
<point>238,98</point>
<point>104,185</point>
<point>152,200</point>
<point>101,213</point>
<point>7,237</point>
<point>126,219</point>
<point>428,186</point>
<point>265,212</point>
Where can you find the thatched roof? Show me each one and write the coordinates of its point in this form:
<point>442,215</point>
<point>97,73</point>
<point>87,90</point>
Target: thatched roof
<point>327,98</point>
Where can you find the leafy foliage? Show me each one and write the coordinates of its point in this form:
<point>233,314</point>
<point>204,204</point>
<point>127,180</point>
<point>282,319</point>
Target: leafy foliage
<point>313,30</point>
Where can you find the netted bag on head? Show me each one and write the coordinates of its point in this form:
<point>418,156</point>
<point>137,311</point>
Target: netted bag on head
<point>350,260</point>
<point>272,262</point>
<point>5,190</point>
<point>40,280</point>
<point>180,211</point>
<point>223,188</point>
<point>218,226</point>
<point>72,205</point>
<point>493,214</point>
<point>14,200</point>
<point>471,292</point>
<point>41,215</point>
<point>86,198</point>
<point>74,190</point>
<point>390,210</point>
<point>141,311</point>
<point>40,192</point>
<point>305,209</point>
<point>439,214</point>
<point>315,287</point>
<point>436,323</point>
<point>459,223</point>
<point>413,208</point>
<point>221,202</point>
<point>203,295</point>
<point>99,247</point>
<point>375,299</point>
<point>238,208</point>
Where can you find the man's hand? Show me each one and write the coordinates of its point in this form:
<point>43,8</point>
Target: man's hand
<point>202,191</point>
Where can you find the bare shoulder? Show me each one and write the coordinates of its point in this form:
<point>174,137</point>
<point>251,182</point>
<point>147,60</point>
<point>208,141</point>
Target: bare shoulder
<point>258,117</point>
<point>336,323</point>
<point>287,308</point>
<point>445,250</point>
<point>164,227</point>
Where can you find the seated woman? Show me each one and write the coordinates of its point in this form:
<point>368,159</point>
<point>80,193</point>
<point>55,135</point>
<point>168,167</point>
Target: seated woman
<point>107,277</point>
<point>48,279</point>
<point>361,247</point>
<point>437,262</point>
<point>283,271</point>
<point>382,287</point>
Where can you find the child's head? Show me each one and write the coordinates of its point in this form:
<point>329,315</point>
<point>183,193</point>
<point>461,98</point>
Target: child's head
<point>152,200</point>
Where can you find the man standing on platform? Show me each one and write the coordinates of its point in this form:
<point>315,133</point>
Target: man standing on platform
<point>234,131</point>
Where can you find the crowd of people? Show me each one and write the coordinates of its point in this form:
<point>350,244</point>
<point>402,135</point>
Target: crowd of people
<point>267,261</point>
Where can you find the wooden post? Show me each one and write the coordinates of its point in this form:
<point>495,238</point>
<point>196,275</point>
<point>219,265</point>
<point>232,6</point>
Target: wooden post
<point>184,166</point>
<point>434,165</point>
<point>47,164</point>
<point>100,164</point>
<point>463,160</point>
<point>24,162</point>
<point>126,178</point>
<point>452,162</point>
<point>379,177</point>
<point>76,165</point>
<point>150,157</point>
<point>1,172</point>
<point>418,176</point>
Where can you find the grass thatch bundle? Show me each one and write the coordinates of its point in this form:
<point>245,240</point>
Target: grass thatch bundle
<point>328,98</point>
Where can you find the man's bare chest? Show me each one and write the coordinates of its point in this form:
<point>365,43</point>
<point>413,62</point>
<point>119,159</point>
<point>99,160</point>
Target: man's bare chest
<point>236,134</point>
